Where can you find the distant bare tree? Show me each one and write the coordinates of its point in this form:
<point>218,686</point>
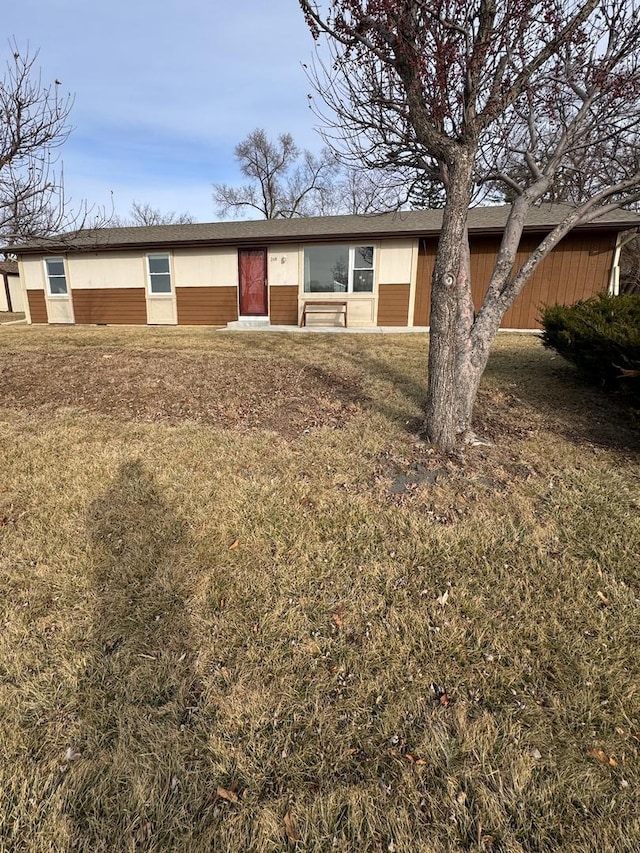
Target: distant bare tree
<point>364,191</point>
<point>284,182</point>
<point>142,213</point>
<point>34,124</point>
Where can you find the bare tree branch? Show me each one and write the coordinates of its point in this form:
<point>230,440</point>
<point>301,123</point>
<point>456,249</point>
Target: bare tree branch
<point>531,99</point>
<point>286,182</point>
<point>142,213</point>
<point>34,125</point>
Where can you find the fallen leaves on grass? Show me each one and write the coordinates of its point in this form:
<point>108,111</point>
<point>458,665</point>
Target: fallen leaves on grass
<point>601,756</point>
<point>291,828</point>
<point>443,598</point>
<point>213,388</point>
<point>229,796</point>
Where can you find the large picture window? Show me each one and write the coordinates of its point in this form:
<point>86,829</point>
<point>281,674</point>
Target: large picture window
<point>56,277</point>
<point>338,268</point>
<point>159,274</point>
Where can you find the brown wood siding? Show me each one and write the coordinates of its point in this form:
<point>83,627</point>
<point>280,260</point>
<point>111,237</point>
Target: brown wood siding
<point>393,304</point>
<point>112,305</point>
<point>207,306</point>
<point>578,268</point>
<point>426,260</point>
<point>283,305</point>
<point>37,306</point>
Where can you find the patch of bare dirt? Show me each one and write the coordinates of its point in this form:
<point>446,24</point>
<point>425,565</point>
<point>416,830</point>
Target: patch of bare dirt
<point>235,393</point>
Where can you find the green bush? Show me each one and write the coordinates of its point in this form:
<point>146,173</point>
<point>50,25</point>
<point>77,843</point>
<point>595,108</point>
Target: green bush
<point>602,337</point>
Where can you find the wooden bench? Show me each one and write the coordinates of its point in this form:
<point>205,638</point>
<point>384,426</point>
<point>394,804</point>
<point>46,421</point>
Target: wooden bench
<point>325,306</point>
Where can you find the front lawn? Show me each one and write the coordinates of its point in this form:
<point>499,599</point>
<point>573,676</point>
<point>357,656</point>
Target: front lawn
<point>246,607</point>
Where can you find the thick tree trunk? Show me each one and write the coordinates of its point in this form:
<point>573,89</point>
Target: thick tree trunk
<point>452,383</point>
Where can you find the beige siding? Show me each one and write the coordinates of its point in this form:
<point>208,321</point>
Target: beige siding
<point>161,310</point>
<point>107,270</point>
<point>395,261</point>
<point>60,309</point>
<point>16,293</point>
<point>32,273</point>
<point>360,308</point>
<point>283,266</point>
<point>361,311</point>
<point>206,267</point>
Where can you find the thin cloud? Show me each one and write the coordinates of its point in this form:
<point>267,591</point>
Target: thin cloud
<point>163,94</point>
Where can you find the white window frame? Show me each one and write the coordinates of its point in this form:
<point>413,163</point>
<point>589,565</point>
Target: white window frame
<point>64,276</point>
<point>351,269</point>
<point>150,291</point>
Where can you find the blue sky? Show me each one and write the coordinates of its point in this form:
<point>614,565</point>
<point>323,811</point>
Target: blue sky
<point>164,91</point>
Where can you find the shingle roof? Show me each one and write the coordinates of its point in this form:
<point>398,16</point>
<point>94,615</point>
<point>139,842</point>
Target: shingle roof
<point>401,223</point>
<point>9,267</point>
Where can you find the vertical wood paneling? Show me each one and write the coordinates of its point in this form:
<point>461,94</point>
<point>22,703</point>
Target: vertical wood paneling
<point>424,272</point>
<point>578,268</point>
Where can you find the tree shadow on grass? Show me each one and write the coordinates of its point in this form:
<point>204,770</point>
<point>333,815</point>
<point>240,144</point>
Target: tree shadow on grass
<point>139,697</point>
<point>569,404</point>
<point>397,396</point>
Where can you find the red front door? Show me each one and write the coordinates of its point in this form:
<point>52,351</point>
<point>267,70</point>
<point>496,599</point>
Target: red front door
<point>252,265</point>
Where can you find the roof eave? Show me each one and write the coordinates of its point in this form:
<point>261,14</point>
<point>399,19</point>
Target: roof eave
<point>300,238</point>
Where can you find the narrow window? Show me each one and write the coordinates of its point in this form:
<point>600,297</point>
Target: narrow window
<point>159,274</point>
<point>362,269</point>
<point>56,278</point>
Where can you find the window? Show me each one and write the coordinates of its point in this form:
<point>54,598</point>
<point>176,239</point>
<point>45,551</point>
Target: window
<point>56,277</point>
<point>159,274</point>
<point>338,268</point>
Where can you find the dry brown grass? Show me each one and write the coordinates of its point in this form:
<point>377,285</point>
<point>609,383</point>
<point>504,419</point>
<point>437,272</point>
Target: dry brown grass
<point>228,632</point>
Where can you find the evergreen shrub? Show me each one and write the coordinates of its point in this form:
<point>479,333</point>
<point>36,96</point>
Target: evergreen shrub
<point>601,336</point>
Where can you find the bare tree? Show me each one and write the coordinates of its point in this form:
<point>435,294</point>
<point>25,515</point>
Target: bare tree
<point>142,213</point>
<point>363,191</point>
<point>284,182</point>
<point>460,93</point>
<point>33,126</point>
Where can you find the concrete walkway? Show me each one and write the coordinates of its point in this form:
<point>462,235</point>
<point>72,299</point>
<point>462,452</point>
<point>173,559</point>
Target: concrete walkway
<point>339,330</point>
<point>358,330</point>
